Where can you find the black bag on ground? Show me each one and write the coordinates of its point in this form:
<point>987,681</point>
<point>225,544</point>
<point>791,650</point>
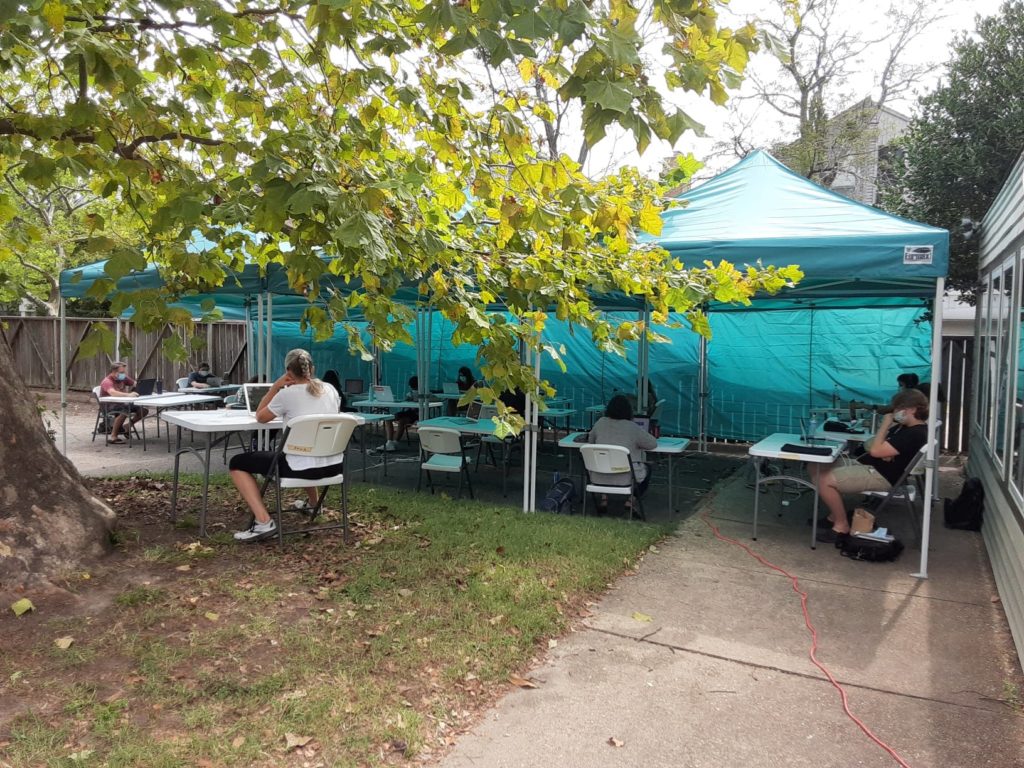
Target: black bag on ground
<point>559,499</point>
<point>965,512</point>
<point>870,550</point>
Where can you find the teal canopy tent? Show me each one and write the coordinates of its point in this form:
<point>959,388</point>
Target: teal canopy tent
<point>854,257</point>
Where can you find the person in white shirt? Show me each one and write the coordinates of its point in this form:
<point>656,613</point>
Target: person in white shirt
<point>296,393</point>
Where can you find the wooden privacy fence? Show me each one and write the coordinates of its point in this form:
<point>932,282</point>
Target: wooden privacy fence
<point>35,342</point>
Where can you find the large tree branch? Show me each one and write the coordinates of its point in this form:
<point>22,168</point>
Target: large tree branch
<point>126,150</point>
<point>116,23</point>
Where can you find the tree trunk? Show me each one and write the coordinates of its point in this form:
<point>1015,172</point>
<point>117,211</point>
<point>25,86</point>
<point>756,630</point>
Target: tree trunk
<point>50,524</point>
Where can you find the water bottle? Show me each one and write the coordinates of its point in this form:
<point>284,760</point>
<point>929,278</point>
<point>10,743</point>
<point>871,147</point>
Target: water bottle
<point>812,426</point>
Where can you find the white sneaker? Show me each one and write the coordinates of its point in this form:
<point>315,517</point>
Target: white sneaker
<point>257,531</point>
<point>391,445</point>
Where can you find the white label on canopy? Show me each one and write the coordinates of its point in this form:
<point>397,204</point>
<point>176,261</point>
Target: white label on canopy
<point>917,254</point>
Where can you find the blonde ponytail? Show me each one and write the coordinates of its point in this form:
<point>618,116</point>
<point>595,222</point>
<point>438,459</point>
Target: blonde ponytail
<point>299,363</point>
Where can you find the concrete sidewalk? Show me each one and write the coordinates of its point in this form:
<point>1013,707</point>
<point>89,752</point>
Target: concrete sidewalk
<point>719,675</point>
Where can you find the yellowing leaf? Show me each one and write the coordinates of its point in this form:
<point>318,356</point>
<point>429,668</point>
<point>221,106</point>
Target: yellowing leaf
<point>64,642</point>
<point>237,742</point>
<point>637,616</point>
<point>522,682</point>
<point>528,70</point>
<point>22,606</point>
<point>211,615</point>
<point>650,218</point>
<point>53,12</point>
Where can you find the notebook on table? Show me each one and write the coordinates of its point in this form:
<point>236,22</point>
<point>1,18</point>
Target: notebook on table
<point>644,422</point>
<point>450,388</point>
<point>252,394</point>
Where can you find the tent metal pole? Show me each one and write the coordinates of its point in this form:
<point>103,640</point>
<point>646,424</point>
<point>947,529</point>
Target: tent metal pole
<point>535,420</point>
<point>931,457</point>
<point>259,337</point>
<point>63,375</point>
<point>209,344</point>
<point>270,335</point>
<point>702,397</point>
<point>117,340</point>
<point>250,358</point>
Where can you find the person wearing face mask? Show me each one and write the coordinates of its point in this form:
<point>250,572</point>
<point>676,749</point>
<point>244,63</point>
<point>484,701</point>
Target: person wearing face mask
<point>198,379</point>
<point>119,384</point>
<point>901,434</point>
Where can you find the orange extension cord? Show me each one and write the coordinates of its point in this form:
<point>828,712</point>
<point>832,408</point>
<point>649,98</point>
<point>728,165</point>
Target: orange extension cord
<point>814,636</point>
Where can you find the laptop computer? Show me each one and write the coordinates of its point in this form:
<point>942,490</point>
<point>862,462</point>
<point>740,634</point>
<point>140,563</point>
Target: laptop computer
<point>383,393</point>
<point>252,394</point>
<point>472,413</point>
<point>450,388</point>
<point>145,386</point>
<point>354,386</point>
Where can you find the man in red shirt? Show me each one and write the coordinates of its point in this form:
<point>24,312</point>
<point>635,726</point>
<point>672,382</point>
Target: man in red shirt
<point>118,384</point>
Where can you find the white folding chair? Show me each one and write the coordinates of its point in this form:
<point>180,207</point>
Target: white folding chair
<point>182,383</point>
<point>443,450</point>
<point>610,460</point>
<point>904,490</point>
<point>505,445</point>
<point>315,437</point>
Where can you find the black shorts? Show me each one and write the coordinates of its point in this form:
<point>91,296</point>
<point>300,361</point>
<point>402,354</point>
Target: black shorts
<point>258,463</point>
<point>117,410</point>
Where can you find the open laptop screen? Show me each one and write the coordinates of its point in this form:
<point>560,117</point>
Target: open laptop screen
<point>253,393</point>
<point>354,387</point>
<point>473,411</point>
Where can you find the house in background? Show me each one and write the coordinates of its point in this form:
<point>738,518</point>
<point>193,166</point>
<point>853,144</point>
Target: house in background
<point>847,152</point>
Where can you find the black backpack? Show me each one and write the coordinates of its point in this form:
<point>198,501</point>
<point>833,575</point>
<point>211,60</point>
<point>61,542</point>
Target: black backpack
<point>965,513</point>
<point>869,550</point>
<point>559,498</point>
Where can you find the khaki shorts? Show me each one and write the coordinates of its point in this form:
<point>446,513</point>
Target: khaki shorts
<point>857,478</point>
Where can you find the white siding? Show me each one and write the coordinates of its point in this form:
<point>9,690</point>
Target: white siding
<point>997,434</point>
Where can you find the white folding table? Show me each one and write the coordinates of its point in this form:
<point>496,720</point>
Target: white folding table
<point>157,403</point>
<point>771,447</point>
<point>669,446</point>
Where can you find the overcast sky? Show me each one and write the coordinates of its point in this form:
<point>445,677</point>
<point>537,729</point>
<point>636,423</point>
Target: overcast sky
<point>931,48</point>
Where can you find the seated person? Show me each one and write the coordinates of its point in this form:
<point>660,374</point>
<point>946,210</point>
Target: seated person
<point>900,435</point>
<point>404,419</point>
<point>332,378</point>
<point>465,379</point>
<point>514,399</point>
<point>294,394</point>
<point>118,383</point>
<point>200,377</point>
<point>616,427</point>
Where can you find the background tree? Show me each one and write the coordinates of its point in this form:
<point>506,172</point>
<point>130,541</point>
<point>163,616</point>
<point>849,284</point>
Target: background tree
<point>340,138</point>
<point>822,123</point>
<point>966,138</point>
<point>45,234</point>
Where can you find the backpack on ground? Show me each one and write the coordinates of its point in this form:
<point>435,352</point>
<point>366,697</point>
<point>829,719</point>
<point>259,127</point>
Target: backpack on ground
<point>966,511</point>
<point>559,499</point>
<point>870,550</point>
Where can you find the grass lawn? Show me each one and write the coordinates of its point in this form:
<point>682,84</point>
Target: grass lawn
<point>189,653</point>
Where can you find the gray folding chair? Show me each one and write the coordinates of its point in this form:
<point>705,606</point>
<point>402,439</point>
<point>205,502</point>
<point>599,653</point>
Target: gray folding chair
<point>611,460</point>
<point>905,490</point>
<point>443,450</point>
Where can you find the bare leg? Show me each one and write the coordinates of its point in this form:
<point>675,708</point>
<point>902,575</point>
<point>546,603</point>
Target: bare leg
<point>115,430</point>
<point>313,496</point>
<point>249,490</point>
<point>833,499</point>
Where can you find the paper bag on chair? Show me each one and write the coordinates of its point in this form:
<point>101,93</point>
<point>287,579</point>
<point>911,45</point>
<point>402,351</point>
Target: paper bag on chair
<point>862,522</point>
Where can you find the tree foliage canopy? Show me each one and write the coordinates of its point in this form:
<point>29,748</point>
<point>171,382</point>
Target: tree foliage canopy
<point>341,137</point>
<point>968,135</point>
